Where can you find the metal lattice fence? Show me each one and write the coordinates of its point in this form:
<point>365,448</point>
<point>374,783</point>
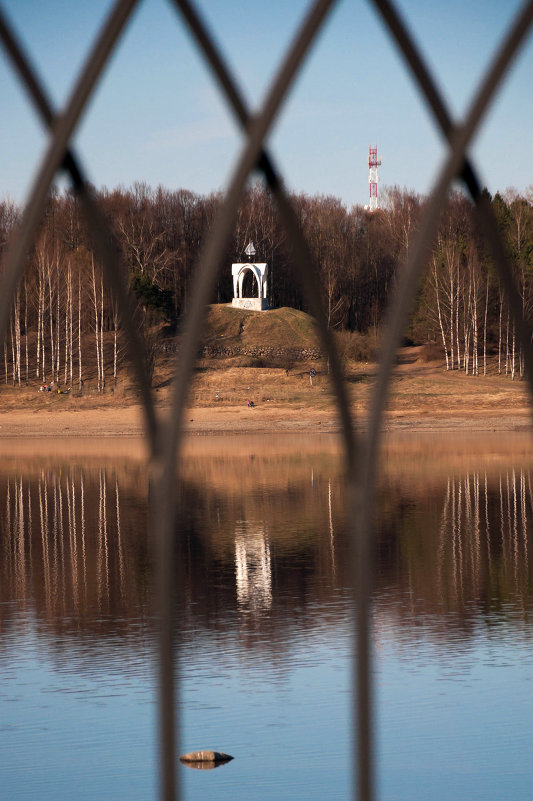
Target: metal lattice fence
<point>165,435</point>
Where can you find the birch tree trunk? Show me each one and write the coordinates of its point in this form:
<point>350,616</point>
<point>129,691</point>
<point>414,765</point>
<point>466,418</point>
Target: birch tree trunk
<point>485,329</point>
<point>467,310</point>
<point>50,329</point>
<point>436,284</point>
<point>68,310</point>
<point>96,326</point>
<point>102,329</point>
<point>43,351</point>
<point>475,333</point>
<point>17,335</point>
<point>513,354</point>
<point>457,327</point>
<point>51,321</point>
<point>26,331</point>
<point>39,327</point>
<point>71,342</point>
<point>58,326</point>
<point>12,331</point>
<point>452,308</point>
<point>507,345</point>
<point>500,337</point>
<point>80,381</point>
<point>115,343</point>
<point>441,325</point>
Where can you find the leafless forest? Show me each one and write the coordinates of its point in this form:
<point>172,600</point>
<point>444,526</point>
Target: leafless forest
<point>64,317</point>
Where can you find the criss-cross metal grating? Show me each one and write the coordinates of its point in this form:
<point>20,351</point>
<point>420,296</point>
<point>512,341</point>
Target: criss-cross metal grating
<point>165,435</point>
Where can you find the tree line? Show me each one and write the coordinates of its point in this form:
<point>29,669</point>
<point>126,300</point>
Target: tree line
<point>63,306</point>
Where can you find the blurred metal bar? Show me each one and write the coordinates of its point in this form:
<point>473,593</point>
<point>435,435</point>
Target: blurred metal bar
<point>221,230</point>
<point>165,466</point>
<point>303,258</point>
<point>485,217</point>
<point>99,229</point>
<point>459,138</point>
<point>309,277</point>
<point>63,127</point>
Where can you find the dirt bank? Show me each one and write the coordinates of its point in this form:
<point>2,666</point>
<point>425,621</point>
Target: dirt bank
<point>127,421</point>
<point>424,398</point>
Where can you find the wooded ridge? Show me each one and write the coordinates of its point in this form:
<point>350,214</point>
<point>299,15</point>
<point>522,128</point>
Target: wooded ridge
<point>63,305</point>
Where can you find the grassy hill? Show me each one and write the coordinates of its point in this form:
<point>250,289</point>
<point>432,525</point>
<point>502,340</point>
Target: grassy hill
<point>277,328</point>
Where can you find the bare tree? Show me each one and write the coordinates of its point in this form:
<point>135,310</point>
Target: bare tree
<point>96,328</point>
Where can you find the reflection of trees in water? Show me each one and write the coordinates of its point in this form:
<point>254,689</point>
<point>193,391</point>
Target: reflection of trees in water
<point>76,564</point>
<point>483,538</point>
<point>459,554</point>
<point>75,552</point>
<point>64,551</point>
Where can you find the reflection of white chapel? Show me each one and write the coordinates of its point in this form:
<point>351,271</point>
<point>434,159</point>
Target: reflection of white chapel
<point>260,273</point>
<point>253,571</point>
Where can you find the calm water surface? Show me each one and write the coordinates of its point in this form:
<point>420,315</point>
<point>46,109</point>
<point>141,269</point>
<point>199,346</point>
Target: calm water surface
<point>265,629</point>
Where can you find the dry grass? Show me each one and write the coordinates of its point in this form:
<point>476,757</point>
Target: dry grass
<point>277,328</point>
<point>219,382</point>
<point>421,392</point>
<point>424,395</point>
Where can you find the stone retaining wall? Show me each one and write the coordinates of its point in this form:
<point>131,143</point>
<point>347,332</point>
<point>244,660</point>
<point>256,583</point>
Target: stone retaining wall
<point>266,352</point>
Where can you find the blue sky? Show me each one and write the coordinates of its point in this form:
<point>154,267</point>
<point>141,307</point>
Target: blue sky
<point>157,117</point>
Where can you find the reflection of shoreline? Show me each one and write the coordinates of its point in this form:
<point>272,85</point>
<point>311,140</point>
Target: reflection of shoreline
<point>223,459</point>
<point>24,452</point>
<point>427,458</point>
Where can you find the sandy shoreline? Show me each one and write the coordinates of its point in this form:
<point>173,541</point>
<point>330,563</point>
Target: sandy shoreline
<point>220,440</point>
<point>127,421</point>
<point>117,434</point>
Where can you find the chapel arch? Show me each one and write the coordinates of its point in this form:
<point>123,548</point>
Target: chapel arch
<point>250,278</point>
<point>250,285</point>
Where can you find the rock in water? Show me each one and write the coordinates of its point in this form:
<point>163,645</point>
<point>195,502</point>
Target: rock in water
<point>213,757</point>
<point>203,765</point>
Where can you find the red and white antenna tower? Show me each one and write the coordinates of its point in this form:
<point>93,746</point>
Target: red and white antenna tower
<point>373,164</point>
